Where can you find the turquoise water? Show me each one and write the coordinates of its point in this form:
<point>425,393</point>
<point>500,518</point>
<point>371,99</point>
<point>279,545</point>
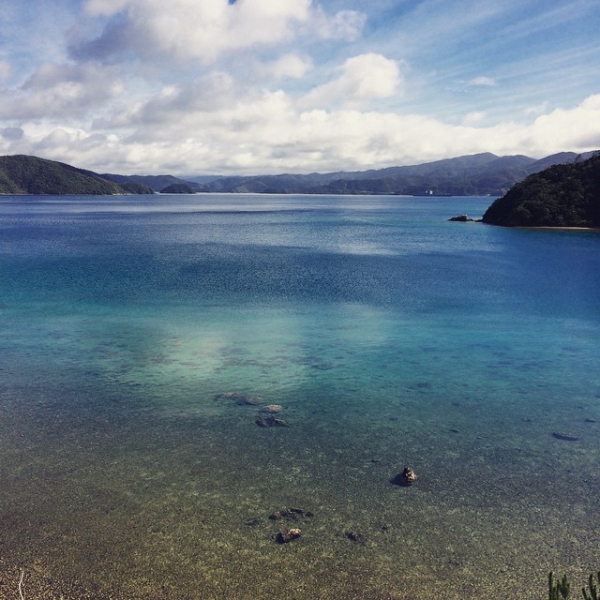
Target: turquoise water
<point>389,337</point>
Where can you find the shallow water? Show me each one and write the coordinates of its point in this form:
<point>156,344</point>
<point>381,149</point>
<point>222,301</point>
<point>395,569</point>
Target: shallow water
<point>389,336</point>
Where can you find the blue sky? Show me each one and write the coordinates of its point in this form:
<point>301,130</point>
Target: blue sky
<point>270,86</point>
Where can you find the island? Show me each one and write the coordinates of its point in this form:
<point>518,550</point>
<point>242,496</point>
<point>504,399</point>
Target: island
<point>564,196</point>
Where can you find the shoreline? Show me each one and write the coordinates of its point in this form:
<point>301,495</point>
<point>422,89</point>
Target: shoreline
<point>555,228</point>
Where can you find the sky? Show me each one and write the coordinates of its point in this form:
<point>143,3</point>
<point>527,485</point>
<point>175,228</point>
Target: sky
<point>247,87</point>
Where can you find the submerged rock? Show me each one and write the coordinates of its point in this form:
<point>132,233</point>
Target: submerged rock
<point>353,536</point>
<point>283,537</point>
<point>238,398</point>
<point>406,478</point>
<point>272,408</point>
<point>271,422</point>
<point>565,437</point>
<point>290,513</point>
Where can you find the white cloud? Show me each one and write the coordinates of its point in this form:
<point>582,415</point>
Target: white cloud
<point>567,128</point>
<point>345,25</point>
<point>483,81</point>
<point>362,79</point>
<point>287,66</point>
<point>473,118</point>
<point>65,91</point>
<point>206,29</point>
<point>538,109</point>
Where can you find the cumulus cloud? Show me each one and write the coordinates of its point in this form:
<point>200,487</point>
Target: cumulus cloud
<point>65,91</point>
<point>473,118</point>
<point>569,127</point>
<point>205,29</point>
<point>176,103</point>
<point>345,25</point>
<point>287,66</point>
<point>362,79</point>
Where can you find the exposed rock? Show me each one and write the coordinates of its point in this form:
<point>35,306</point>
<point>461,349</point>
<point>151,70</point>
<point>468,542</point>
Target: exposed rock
<point>464,219</point>
<point>283,537</point>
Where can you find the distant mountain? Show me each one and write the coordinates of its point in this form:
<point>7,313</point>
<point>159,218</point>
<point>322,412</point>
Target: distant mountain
<point>178,188</point>
<point>562,195</point>
<point>154,182</point>
<point>479,174</point>
<point>37,176</point>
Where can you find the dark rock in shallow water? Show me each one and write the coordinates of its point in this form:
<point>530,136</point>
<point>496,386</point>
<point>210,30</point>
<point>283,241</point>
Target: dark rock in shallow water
<point>271,422</point>
<point>272,409</point>
<point>290,513</point>
<point>406,478</point>
<point>353,536</point>
<point>283,537</point>
<point>565,437</point>
<point>238,398</point>
<point>463,219</point>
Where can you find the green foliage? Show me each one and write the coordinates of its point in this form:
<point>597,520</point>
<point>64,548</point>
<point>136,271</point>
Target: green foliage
<point>558,590</point>
<point>593,588</point>
<point>37,176</point>
<point>562,587</point>
<point>178,188</point>
<point>135,188</point>
<point>561,196</point>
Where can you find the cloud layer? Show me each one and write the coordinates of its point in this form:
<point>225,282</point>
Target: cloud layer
<point>256,86</point>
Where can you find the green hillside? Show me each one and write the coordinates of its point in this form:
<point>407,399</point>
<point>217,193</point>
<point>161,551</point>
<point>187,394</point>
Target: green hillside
<point>37,176</point>
<point>565,195</point>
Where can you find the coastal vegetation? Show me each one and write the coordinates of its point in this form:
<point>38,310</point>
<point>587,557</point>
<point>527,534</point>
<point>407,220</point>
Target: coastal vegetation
<point>560,589</point>
<point>566,195</point>
<point>22,174</point>
<point>178,188</point>
<point>478,175</point>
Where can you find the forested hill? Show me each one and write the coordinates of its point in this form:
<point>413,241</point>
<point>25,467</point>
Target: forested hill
<point>31,175</point>
<point>565,195</point>
<point>477,174</point>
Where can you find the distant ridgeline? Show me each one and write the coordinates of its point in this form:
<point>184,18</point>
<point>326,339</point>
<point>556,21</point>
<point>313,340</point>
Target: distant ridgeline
<point>566,195</point>
<point>37,176</point>
<point>478,174</point>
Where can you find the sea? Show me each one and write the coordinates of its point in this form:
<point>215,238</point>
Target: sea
<point>186,379</point>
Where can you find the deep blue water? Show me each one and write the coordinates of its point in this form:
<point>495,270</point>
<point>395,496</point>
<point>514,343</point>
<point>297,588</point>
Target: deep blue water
<point>388,335</point>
